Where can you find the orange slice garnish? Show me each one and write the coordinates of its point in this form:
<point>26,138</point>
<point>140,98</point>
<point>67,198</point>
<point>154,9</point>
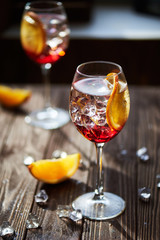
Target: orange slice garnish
<point>13,97</point>
<point>32,33</point>
<point>55,170</point>
<point>118,105</point>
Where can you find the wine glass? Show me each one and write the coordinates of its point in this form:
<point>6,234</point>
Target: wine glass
<point>99,108</point>
<point>45,38</point>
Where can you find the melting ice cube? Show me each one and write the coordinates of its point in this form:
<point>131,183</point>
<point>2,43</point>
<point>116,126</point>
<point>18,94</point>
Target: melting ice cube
<point>28,160</point>
<point>67,211</point>
<point>6,231</point>
<point>144,157</point>
<point>63,210</point>
<point>75,215</point>
<point>141,151</point>
<point>144,194</point>
<point>142,154</point>
<point>158,180</point>
<point>123,152</point>
<point>32,221</point>
<point>5,181</point>
<point>41,197</point>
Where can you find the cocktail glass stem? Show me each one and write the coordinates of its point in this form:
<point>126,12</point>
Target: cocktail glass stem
<point>99,205</point>
<point>49,117</point>
<point>99,184</point>
<point>45,69</point>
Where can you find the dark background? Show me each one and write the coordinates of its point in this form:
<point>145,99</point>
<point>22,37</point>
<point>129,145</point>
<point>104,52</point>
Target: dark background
<point>140,59</point>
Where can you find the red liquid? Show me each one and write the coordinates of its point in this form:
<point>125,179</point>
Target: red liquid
<point>98,134</point>
<point>46,57</point>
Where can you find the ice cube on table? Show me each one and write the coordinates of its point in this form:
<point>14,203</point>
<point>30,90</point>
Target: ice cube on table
<point>158,180</point>
<point>63,211</point>
<point>41,197</point>
<point>28,160</point>
<point>66,211</point>
<point>75,215</point>
<point>144,194</point>
<point>142,154</point>
<point>141,151</point>
<point>144,157</point>
<point>32,221</point>
<point>6,231</point>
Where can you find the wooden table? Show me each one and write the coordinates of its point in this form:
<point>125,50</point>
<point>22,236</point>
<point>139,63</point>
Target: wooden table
<point>124,174</point>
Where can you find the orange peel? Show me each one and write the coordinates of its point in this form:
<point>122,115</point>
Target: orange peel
<point>10,97</point>
<point>55,170</point>
<point>118,105</point>
<point>32,33</point>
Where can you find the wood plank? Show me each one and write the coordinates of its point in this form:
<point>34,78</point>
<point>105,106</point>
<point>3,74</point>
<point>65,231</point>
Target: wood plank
<point>17,185</point>
<point>148,217</point>
<point>5,119</point>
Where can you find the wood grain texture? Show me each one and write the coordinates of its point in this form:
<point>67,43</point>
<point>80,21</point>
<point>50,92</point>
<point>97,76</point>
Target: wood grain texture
<point>124,174</point>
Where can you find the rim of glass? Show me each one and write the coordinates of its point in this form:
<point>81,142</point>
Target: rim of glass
<point>106,62</point>
<point>55,5</point>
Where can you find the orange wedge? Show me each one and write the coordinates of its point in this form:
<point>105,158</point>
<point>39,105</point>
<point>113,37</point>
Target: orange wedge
<point>55,170</point>
<point>118,105</point>
<point>32,33</point>
<point>13,97</point>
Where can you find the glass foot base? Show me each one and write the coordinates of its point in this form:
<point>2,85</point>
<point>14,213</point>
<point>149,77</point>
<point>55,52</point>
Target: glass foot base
<point>48,118</point>
<point>108,207</point>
